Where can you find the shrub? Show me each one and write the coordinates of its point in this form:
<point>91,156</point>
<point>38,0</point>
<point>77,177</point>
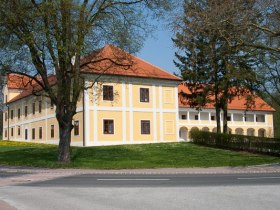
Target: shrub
<point>237,142</point>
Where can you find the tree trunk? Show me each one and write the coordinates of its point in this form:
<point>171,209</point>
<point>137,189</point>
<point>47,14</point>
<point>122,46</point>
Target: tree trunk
<point>64,141</point>
<point>225,126</point>
<point>218,117</point>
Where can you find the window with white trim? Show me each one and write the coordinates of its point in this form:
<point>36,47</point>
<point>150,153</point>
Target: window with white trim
<point>144,95</point>
<point>108,126</point>
<point>145,127</point>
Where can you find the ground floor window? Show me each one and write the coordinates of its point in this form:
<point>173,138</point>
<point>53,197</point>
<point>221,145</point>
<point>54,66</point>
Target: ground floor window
<point>6,133</point>
<point>12,131</point>
<point>26,134</point>
<point>18,130</point>
<point>76,128</point>
<point>145,127</point>
<point>52,131</point>
<point>40,133</point>
<point>108,126</point>
<point>33,133</point>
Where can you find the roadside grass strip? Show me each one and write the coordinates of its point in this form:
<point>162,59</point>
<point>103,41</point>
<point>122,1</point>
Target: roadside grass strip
<point>160,155</point>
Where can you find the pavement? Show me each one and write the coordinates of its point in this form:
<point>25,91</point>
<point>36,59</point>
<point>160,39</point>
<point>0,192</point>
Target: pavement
<point>12,178</point>
<point>14,175</point>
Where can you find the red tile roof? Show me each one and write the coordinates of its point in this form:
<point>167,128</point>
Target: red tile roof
<point>106,60</point>
<point>238,103</point>
<point>31,89</point>
<point>109,60</point>
<point>16,81</point>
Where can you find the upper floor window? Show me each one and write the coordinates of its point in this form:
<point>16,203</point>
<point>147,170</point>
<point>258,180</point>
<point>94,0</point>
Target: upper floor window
<point>108,126</point>
<point>145,127</point>
<point>6,116</point>
<point>108,93</point>
<point>144,94</point>
<point>212,118</point>
<point>184,117</point>
<point>228,118</point>
<point>12,114</point>
<point>18,113</point>
<point>33,108</point>
<point>196,117</point>
<point>52,105</point>
<point>25,111</point>
<point>40,106</point>
<point>76,128</point>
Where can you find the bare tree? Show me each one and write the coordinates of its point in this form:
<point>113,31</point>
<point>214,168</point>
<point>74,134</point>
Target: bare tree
<point>40,36</point>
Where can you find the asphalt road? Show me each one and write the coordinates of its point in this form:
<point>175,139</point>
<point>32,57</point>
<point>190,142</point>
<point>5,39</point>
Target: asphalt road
<point>163,192</point>
<point>177,180</point>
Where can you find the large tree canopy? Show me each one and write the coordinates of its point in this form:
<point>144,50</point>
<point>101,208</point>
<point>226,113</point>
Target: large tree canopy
<point>38,37</point>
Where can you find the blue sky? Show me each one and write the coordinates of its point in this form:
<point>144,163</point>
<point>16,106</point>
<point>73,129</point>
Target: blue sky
<point>159,50</point>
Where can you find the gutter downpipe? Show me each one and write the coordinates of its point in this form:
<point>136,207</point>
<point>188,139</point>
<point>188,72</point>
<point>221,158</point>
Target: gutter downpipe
<point>8,122</point>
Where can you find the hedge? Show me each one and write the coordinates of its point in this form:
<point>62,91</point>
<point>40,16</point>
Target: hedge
<point>237,142</point>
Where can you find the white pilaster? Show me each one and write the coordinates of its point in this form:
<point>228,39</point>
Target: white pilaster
<point>86,116</point>
<point>154,98</point>
<point>95,127</point>
<point>160,115</point>
<point>131,132</point>
<point>177,113</point>
<point>124,112</point>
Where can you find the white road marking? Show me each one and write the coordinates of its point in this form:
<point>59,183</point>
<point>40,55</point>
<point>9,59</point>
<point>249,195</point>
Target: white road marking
<point>133,179</point>
<point>276,177</point>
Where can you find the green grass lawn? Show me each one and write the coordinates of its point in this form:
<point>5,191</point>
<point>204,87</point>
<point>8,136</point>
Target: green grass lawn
<point>162,155</point>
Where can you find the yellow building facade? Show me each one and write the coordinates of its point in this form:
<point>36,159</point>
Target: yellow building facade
<point>135,106</point>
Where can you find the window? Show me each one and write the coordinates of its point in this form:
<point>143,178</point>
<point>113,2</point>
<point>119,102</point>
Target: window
<point>33,108</point>
<point>40,106</point>
<point>6,116</point>
<point>25,111</point>
<point>228,118</point>
<point>184,117</point>
<point>18,113</point>
<point>6,98</point>
<point>145,127</point>
<point>33,133</point>
<point>144,94</point>
<point>108,93</point>
<point>12,114</point>
<point>196,117</point>
<point>108,126</point>
<point>26,134</point>
<point>76,128</point>
<point>52,131</point>
<point>40,133</point>
<point>6,133</point>
<point>12,131</point>
<point>52,105</point>
<point>212,118</point>
<point>18,130</point>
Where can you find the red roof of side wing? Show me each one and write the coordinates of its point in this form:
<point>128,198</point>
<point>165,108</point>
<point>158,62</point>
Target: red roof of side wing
<point>238,102</point>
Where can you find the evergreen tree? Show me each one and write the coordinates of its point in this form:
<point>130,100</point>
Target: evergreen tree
<point>211,57</point>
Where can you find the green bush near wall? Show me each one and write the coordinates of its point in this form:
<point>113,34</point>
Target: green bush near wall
<point>269,146</point>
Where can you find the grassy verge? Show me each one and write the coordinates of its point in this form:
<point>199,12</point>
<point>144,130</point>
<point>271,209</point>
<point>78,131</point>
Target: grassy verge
<point>168,155</point>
